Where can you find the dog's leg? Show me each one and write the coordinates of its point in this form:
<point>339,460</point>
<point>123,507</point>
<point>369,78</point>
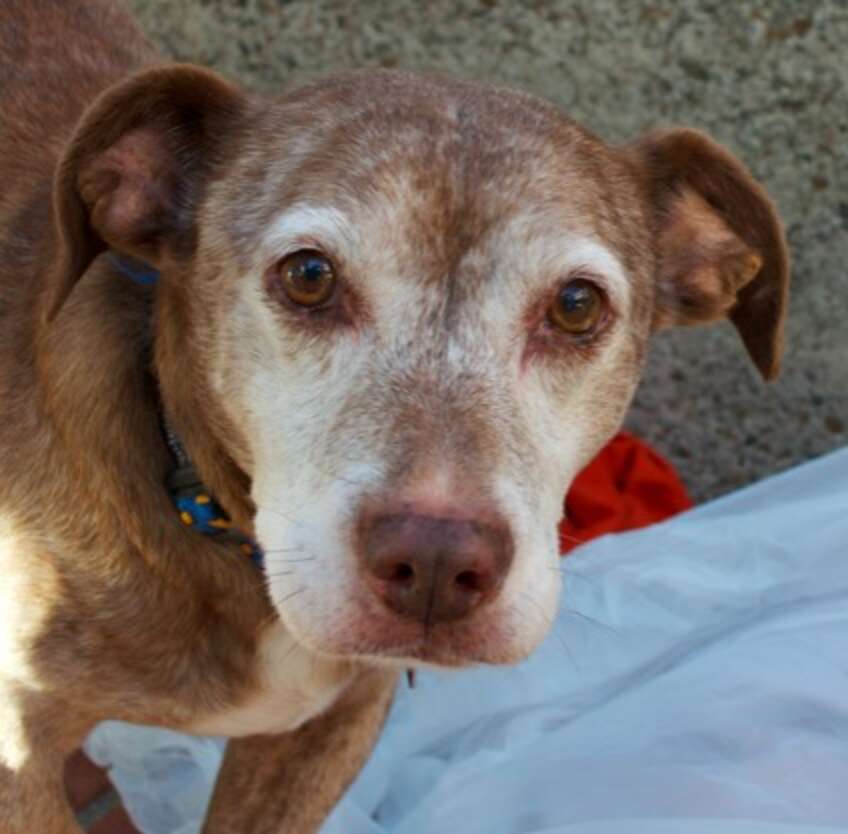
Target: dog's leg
<point>288,784</point>
<point>36,734</point>
<point>34,802</point>
<point>32,799</point>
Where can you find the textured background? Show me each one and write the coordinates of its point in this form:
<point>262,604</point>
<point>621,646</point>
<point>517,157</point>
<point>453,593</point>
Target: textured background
<point>769,79</point>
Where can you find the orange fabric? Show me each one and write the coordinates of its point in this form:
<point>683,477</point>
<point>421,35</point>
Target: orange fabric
<point>627,485</point>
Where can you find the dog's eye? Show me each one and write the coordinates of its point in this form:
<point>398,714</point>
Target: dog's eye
<point>307,278</point>
<point>577,308</point>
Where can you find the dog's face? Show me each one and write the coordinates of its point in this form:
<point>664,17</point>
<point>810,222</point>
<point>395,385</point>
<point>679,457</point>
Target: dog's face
<point>430,332</point>
<point>422,306</point>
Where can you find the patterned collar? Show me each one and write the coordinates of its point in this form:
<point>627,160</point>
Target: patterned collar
<point>194,503</point>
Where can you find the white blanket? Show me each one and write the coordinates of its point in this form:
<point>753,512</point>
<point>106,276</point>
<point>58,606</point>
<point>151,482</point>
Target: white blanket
<point>696,681</point>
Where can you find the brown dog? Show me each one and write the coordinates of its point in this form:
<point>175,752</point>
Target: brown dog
<point>394,316</point>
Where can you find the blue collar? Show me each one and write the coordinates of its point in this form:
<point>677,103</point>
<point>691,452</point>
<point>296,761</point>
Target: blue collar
<point>136,271</point>
<point>198,509</point>
<point>196,506</point>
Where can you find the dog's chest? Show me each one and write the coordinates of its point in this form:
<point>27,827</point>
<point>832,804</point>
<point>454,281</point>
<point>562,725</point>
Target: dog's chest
<point>294,686</point>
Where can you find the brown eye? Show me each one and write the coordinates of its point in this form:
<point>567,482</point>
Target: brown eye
<point>307,278</point>
<point>577,308</point>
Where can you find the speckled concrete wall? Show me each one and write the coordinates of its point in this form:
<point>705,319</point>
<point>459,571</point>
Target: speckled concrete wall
<point>768,78</point>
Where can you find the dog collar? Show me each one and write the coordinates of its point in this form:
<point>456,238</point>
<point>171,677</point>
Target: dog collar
<point>136,271</point>
<point>195,504</point>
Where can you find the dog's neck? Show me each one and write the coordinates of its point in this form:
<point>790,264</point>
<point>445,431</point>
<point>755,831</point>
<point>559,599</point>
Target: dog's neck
<point>195,503</point>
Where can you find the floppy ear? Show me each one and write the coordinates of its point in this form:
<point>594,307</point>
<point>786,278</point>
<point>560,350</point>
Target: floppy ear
<point>721,249</point>
<point>136,168</point>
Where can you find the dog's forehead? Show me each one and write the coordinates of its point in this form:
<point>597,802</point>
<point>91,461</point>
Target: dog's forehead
<point>441,162</point>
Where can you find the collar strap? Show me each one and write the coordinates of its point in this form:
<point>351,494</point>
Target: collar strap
<point>194,503</point>
<point>198,509</point>
<point>136,271</point>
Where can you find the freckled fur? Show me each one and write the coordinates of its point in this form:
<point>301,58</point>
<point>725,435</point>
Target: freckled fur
<point>462,203</point>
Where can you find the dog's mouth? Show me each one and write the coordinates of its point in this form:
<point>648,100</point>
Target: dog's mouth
<point>415,588</point>
<point>429,650</point>
<point>374,635</point>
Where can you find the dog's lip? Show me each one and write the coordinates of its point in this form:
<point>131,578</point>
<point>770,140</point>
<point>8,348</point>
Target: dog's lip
<point>422,654</point>
<point>390,641</point>
<point>364,630</point>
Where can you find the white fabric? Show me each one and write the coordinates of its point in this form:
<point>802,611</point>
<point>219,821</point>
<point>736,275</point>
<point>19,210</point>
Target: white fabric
<point>696,681</point>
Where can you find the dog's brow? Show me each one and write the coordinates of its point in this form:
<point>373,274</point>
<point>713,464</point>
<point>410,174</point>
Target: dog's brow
<point>591,255</point>
<point>554,256</point>
<point>304,225</point>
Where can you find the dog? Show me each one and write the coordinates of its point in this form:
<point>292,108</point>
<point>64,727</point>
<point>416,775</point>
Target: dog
<point>377,325</point>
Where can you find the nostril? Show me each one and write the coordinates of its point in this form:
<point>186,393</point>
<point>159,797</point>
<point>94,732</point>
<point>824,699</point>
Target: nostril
<point>403,573</point>
<point>433,569</point>
<point>469,580</point>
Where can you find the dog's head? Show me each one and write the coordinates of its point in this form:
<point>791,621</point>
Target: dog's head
<point>409,310</point>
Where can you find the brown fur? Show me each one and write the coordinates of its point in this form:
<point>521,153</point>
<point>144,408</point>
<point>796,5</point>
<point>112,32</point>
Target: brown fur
<point>264,780</point>
<point>745,273</point>
<point>127,614</point>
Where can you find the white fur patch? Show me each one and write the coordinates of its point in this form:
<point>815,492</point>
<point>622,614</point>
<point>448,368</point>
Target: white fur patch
<point>598,260</point>
<point>24,610</point>
<point>306,226</point>
<point>295,685</point>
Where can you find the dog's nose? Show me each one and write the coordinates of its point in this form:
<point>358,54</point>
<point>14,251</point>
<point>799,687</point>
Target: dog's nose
<point>435,570</point>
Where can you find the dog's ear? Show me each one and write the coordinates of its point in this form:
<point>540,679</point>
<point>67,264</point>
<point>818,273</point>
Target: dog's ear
<point>720,244</point>
<point>136,167</point>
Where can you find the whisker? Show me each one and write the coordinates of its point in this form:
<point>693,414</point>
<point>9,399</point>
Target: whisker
<point>293,549</point>
<point>252,589</point>
<point>280,513</point>
<point>572,574</point>
<point>269,620</point>
<point>336,477</point>
<point>292,595</point>
<point>591,620</point>
<point>569,574</point>
<point>289,561</point>
<point>550,625</point>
